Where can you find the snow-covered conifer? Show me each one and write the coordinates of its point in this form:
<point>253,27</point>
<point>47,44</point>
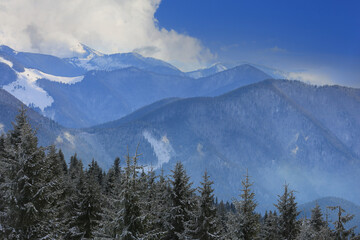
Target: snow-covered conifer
<point>181,213</point>
<point>287,207</point>
<point>206,227</point>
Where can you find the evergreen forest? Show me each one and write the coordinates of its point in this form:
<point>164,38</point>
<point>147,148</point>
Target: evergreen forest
<point>43,197</point>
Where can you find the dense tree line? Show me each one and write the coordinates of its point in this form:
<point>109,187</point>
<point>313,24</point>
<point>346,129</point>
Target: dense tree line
<point>44,198</point>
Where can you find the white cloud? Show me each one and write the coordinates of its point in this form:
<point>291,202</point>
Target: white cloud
<point>309,77</point>
<point>56,27</point>
<point>278,50</point>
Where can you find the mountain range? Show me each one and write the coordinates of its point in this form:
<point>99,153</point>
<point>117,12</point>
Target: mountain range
<point>227,121</point>
<point>95,88</point>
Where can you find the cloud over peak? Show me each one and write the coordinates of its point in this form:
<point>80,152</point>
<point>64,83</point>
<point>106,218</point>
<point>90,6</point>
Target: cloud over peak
<point>56,27</point>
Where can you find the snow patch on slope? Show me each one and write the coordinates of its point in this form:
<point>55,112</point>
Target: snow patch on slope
<point>204,72</point>
<point>66,80</point>
<point>7,62</point>
<point>26,90</point>
<point>70,138</point>
<point>162,148</point>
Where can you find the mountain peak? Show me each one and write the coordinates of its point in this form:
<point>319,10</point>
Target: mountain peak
<point>88,52</point>
<point>205,72</point>
<point>218,67</point>
<point>6,49</point>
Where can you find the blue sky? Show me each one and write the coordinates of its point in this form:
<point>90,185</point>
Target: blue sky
<point>315,37</point>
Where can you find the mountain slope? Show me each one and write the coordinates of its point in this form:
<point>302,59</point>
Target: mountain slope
<point>45,63</point>
<point>205,72</point>
<point>94,60</point>
<point>273,128</point>
<point>104,96</point>
<point>325,202</point>
<point>108,95</point>
<point>47,130</point>
<point>53,87</point>
<point>228,80</point>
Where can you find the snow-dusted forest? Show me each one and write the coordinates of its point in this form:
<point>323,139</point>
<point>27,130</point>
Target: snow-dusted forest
<point>44,198</point>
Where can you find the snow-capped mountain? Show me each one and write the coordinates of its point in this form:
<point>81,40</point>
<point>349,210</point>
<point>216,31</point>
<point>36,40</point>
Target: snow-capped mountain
<point>215,68</point>
<point>98,96</point>
<point>94,60</point>
<point>23,85</point>
<point>230,79</point>
<point>45,63</point>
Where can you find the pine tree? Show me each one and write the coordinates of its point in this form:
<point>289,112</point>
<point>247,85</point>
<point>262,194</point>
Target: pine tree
<point>306,231</point>
<point>246,223</point>
<point>90,205</point>
<point>130,221</point>
<point>270,230</point>
<point>222,219</point>
<point>63,162</point>
<point>182,206</point>
<point>287,207</point>
<point>75,180</point>
<point>96,172</point>
<point>3,188</point>
<point>160,206</point>
<point>75,168</point>
<point>86,206</point>
<point>117,167</point>
<point>317,221</point>
<point>151,205</point>
<point>112,199</point>
<point>206,228</point>
<point>341,233</point>
<point>325,232</point>
<point>25,173</point>
<point>55,191</point>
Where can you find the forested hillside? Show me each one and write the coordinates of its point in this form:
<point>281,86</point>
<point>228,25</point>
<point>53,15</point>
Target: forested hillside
<point>44,198</point>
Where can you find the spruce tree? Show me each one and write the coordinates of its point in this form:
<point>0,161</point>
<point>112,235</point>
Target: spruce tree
<point>96,172</point>
<point>181,213</point>
<point>206,228</point>
<point>55,190</point>
<point>317,221</point>
<point>24,165</point>
<point>75,168</point>
<point>222,219</point>
<point>306,231</point>
<point>160,206</point>
<point>246,223</point>
<point>3,188</point>
<point>112,199</point>
<point>90,205</point>
<point>152,210</point>
<point>269,229</point>
<point>130,222</point>
<point>86,206</point>
<point>341,233</point>
<point>63,162</point>
<point>75,180</point>
<point>287,207</point>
